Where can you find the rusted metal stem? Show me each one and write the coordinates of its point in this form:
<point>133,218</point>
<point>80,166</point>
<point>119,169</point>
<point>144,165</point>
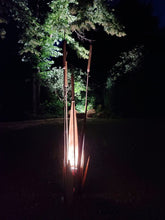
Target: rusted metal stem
<point>65,105</point>
<point>86,104</point>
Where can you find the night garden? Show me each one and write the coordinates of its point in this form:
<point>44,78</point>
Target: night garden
<point>81,110</point>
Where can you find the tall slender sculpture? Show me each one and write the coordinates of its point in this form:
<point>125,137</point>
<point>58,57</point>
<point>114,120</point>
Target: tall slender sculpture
<point>73,134</point>
<point>82,140</point>
<point>74,173</point>
<point>65,106</point>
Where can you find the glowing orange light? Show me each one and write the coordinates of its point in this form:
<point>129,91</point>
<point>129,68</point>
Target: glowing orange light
<point>73,139</point>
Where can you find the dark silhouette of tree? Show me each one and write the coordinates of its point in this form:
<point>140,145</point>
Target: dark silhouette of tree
<point>137,18</point>
<point>130,94</point>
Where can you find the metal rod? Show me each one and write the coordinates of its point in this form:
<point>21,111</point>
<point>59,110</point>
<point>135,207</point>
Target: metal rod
<point>64,59</point>
<point>74,133</point>
<point>86,104</point>
<point>64,133</point>
<point>85,172</point>
<point>64,53</point>
<point>89,59</point>
<point>72,83</point>
<point>65,105</point>
<point>66,108</point>
<point>88,71</point>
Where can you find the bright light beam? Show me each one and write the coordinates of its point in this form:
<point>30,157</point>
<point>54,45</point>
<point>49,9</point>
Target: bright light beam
<point>73,139</point>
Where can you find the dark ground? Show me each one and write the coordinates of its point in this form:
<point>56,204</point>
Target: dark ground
<point>125,179</point>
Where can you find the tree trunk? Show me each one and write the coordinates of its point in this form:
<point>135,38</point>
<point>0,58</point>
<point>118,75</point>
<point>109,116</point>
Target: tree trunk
<point>38,94</point>
<point>34,95</point>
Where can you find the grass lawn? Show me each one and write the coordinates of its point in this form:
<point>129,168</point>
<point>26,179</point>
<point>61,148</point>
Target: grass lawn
<point>125,177</point>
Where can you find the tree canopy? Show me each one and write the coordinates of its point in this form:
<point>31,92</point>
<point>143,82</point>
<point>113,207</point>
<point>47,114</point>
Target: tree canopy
<point>41,32</point>
<point>42,25</point>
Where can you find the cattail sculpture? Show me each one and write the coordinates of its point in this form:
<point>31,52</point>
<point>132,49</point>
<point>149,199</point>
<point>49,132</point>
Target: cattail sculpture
<point>74,172</point>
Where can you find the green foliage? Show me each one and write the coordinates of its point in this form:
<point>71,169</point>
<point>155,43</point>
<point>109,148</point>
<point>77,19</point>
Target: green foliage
<point>43,31</point>
<point>128,61</point>
<point>2,33</point>
<point>52,107</point>
<point>92,13</point>
<point>53,80</point>
<point>3,20</point>
<point>40,40</point>
<point>91,102</point>
<point>109,83</point>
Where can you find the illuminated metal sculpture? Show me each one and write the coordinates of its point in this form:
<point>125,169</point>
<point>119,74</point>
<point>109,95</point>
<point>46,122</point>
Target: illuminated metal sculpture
<point>74,172</point>
<point>72,156</point>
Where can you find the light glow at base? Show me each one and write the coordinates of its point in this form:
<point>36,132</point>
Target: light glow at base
<point>73,139</point>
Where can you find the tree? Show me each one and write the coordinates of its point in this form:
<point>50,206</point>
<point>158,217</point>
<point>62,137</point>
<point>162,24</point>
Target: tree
<point>125,84</point>
<point>127,62</point>
<point>53,81</point>
<point>42,31</point>
<point>42,39</point>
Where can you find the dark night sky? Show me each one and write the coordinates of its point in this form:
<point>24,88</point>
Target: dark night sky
<point>159,10</point>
